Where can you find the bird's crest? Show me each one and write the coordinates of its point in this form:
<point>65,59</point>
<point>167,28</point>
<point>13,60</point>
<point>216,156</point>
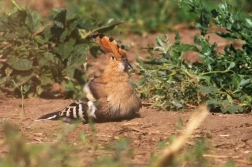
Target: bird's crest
<point>109,45</point>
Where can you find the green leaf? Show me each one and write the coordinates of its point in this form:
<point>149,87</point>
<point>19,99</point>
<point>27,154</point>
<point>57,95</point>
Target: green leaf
<point>104,26</point>
<point>232,65</point>
<point>59,17</point>
<point>184,48</point>
<point>159,42</point>
<point>207,78</point>
<point>158,48</point>
<point>33,20</point>
<point>207,89</point>
<point>3,21</point>
<point>232,109</point>
<point>8,71</point>
<point>236,79</point>
<point>244,82</point>
<point>4,79</point>
<point>107,24</point>
<point>65,49</point>
<point>177,104</point>
<point>200,26</point>
<point>39,39</point>
<point>45,80</point>
<point>212,103</point>
<point>70,72</point>
<point>214,13</point>
<point>63,36</point>
<point>26,88</point>
<point>17,19</point>
<point>77,59</point>
<point>79,55</point>
<point>46,59</point>
<point>47,33</point>
<point>49,57</point>
<point>177,38</point>
<point>229,36</point>
<point>19,64</point>
<point>23,32</point>
<point>196,40</point>
<point>249,21</point>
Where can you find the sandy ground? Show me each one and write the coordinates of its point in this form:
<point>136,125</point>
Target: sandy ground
<point>226,135</point>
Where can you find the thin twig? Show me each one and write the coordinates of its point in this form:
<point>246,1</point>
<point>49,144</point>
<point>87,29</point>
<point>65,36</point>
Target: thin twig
<point>234,158</point>
<point>219,156</point>
<point>14,2</point>
<point>3,60</point>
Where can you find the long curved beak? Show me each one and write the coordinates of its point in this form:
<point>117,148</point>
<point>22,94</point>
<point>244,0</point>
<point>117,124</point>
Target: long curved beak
<point>127,61</point>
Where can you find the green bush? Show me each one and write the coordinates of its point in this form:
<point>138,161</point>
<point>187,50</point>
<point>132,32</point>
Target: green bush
<point>223,80</point>
<point>39,52</point>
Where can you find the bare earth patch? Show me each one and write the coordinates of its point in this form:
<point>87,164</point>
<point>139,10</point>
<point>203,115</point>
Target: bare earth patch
<point>226,135</point>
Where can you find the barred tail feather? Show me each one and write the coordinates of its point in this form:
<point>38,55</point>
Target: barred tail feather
<point>76,110</point>
<point>50,116</point>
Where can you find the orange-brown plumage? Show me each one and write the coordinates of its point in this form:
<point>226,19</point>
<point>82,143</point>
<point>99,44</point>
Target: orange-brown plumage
<point>119,98</point>
<point>111,96</point>
<point>119,101</point>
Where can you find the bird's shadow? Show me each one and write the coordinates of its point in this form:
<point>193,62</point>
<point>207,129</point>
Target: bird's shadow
<point>136,115</point>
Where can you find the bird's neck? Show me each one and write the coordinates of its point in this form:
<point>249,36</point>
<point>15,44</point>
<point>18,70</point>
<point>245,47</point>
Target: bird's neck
<point>113,74</point>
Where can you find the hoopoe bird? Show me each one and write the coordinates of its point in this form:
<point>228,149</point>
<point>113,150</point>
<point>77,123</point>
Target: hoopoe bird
<point>111,96</point>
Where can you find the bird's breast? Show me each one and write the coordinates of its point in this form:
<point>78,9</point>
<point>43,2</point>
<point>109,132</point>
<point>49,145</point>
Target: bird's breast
<point>122,99</point>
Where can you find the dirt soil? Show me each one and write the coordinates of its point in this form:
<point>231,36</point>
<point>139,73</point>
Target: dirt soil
<point>227,136</point>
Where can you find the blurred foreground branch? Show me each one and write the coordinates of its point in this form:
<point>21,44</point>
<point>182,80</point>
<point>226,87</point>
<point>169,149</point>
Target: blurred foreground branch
<point>170,152</point>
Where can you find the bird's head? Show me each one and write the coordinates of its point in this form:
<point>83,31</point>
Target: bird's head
<point>117,55</point>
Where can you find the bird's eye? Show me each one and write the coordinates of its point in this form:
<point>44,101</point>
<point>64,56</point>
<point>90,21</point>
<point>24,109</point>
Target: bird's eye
<point>112,57</point>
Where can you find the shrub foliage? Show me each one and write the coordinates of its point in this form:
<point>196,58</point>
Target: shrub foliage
<point>39,52</point>
<point>223,80</point>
